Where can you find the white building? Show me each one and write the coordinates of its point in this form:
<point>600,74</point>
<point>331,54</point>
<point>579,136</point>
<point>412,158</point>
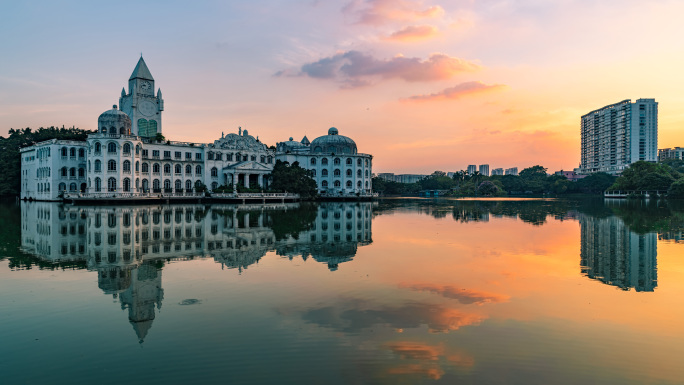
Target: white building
<point>498,171</point>
<point>511,171</point>
<point>484,169</point>
<point>670,153</point>
<point>471,169</point>
<point>337,167</point>
<point>617,135</point>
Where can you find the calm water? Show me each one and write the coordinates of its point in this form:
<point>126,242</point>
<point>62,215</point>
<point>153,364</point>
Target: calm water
<point>392,292</point>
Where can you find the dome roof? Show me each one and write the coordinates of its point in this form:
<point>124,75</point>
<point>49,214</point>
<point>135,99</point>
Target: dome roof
<point>333,143</point>
<point>114,115</point>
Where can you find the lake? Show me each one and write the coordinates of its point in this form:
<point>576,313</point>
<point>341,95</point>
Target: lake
<point>398,291</point>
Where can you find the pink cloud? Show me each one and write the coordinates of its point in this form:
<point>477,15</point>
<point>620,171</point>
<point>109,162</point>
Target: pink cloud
<point>376,12</point>
<point>354,68</point>
<point>458,91</point>
<point>413,33</point>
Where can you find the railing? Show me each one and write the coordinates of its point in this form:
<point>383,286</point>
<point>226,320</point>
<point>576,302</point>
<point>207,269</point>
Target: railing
<point>255,195</point>
<point>131,195</point>
<point>634,193</point>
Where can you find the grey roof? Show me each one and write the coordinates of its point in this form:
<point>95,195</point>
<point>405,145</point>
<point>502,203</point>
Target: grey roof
<point>141,71</point>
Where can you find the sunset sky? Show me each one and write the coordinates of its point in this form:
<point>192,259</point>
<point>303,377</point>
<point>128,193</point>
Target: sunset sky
<point>421,85</point>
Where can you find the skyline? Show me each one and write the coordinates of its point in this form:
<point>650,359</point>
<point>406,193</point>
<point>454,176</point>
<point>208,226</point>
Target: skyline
<point>420,85</point>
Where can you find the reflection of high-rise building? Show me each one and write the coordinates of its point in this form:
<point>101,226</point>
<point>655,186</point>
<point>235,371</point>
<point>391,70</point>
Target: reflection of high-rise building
<point>614,255</point>
<point>125,245</point>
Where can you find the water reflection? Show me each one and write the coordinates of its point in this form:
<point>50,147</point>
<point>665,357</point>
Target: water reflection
<point>128,246</point>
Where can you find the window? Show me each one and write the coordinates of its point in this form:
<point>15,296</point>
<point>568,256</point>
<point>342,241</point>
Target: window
<point>358,162</point>
<point>177,155</point>
<point>111,165</point>
<point>126,166</point>
<point>98,184</point>
<point>198,170</point>
<point>324,172</point>
<point>64,152</point>
<point>219,156</point>
<point>253,158</point>
<point>349,161</point>
<point>111,184</point>
<point>144,153</point>
<point>178,169</point>
<point>324,183</point>
<point>145,167</point>
<point>179,187</point>
<point>358,172</point>
<point>349,172</point>
<point>127,185</point>
<point>167,169</point>
<point>72,172</point>
<point>313,161</point>
<point>210,156</point>
<point>324,161</point>
<point>349,184</point>
<point>155,153</point>
<point>81,172</point>
<point>72,152</point>
<point>214,171</point>
<point>336,172</point>
<point>198,156</point>
<point>111,148</point>
<point>156,168</point>
<point>167,154</point>
<point>64,172</point>
<point>336,161</point>
<point>263,159</point>
<point>98,147</point>
<point>81,153</point>
<point>188,169</point>
<point>137,166</point>
<point>229,157</point>
<point>313,173</point>
<point>337,183</point>
<point>188,155</point>
<point>127,148</point>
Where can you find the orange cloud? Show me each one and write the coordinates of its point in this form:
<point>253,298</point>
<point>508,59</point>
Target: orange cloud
<point>428,357</point>
<point>376,12</point>
<point>463,296</point>
<point>467,88</point>
<point>354,68</point>
<point>416,351</point>
<point>413,33</point>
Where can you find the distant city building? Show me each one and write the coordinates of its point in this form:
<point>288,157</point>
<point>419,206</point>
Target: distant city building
<point>571,175</point>
<point>401,178</point>
<point>471,169</point>
<point>511,171</point>
<point>498,171</point>
<point>484,169</point>
<point>670,153</point>
<point>617,135</point>
<point>338,168</point>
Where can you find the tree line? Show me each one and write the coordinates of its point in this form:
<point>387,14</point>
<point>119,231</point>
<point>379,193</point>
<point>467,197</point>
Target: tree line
<point>532,180</point>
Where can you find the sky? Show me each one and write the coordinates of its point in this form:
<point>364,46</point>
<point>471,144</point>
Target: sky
<point>421,85</point>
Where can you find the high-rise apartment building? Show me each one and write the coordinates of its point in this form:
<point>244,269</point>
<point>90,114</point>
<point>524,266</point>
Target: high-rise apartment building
<point>617,135</point>
<point>670,153</point>
<point>471,169</point>
<point>498,171</point>
<point>484,169</point>
<point>512,171</point>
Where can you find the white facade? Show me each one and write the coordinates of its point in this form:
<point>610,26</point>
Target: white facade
<point>498,171</point>
<point>484,169</point>
<point>337,167</point>
<point>511,171</point>
<point>471,169</point>
<point>617,135</point>
<point>670,153</point>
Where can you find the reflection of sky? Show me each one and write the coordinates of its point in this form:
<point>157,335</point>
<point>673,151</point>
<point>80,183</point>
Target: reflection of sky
<point>502,301</point>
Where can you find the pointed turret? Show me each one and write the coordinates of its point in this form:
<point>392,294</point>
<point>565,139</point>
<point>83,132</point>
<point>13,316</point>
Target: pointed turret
<point>141,71</point>
<point>159,94</point>
<point>123,91</point>
<point>305,141</point>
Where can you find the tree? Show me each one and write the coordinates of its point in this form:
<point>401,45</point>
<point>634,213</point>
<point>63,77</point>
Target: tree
<point>487,188</point>
<point>534,179</point>
<point>159,137</point>
<point>676,190</point>
<point>595,183</point>
<point>293,179</point>
<point>645,176</point>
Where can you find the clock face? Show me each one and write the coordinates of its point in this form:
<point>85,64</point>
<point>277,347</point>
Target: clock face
<point>147,108</point>
<point>146,86</point>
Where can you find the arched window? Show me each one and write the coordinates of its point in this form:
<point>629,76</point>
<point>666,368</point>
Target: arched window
<point>98,165</point>
<point>98,184</point>
<point>349,184</point>
<point>72,152</point>
<point>98,147</point>
<point>269,159</point>
<point>111,148</point>
<point>126,147</point>
<point>324,183</point>
<point>366,162</point>
<point>126,166</point>
<point>210,156</point>
<point>155,168</point>
<point>145,167</point>
<point>137,166</point>
<point>179,185</point>
<point>337,183</point>
<point>81,153</point>
<point>188,169</point>
<point>111,184</point>
<point>156,185</point>
<point>178,169</point>
<point>188,185</point>
<point>122,131</point>
<point>198,183</point>
<point>127,185</point>
<point>111,165</point>
<point>366,184</point>
<point>214,185</point>
<point>358,184</point>
<point>167,169</point>
<point>358,162</point>
<point>324,161</point>
<point>146,185</point>
<point>167,185</point>
<point>313,161</point>
<point>64,172</point>
<point>62,187</point>
<point>229,157</point>
<point>336,172</point>
<point>349,161</point>
<point>72,172</point>
<point>336,162</point>
<point>313,173</point>
<point>253,158</point>
<point>137,149</point>
<point>366,172</point>
<point>349,172</point>
<point>198,170</point>
<point>324,172</point>
<point>263,159</point>
<point>214,171</point>
<point>64,153</point>
<point>81,172</point>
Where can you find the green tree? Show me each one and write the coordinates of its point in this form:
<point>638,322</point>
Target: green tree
<point>645,176</point>
<point>293,179</point>
<point>595,183</point>
<point>676,190</point>
<point>487,188</point>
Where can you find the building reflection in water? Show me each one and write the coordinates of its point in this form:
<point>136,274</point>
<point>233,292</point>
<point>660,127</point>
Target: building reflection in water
<point>613,254</point>
<point>127,246</point>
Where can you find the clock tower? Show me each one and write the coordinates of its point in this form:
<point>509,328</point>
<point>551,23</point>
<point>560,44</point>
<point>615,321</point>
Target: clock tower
<point>143,107</point>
